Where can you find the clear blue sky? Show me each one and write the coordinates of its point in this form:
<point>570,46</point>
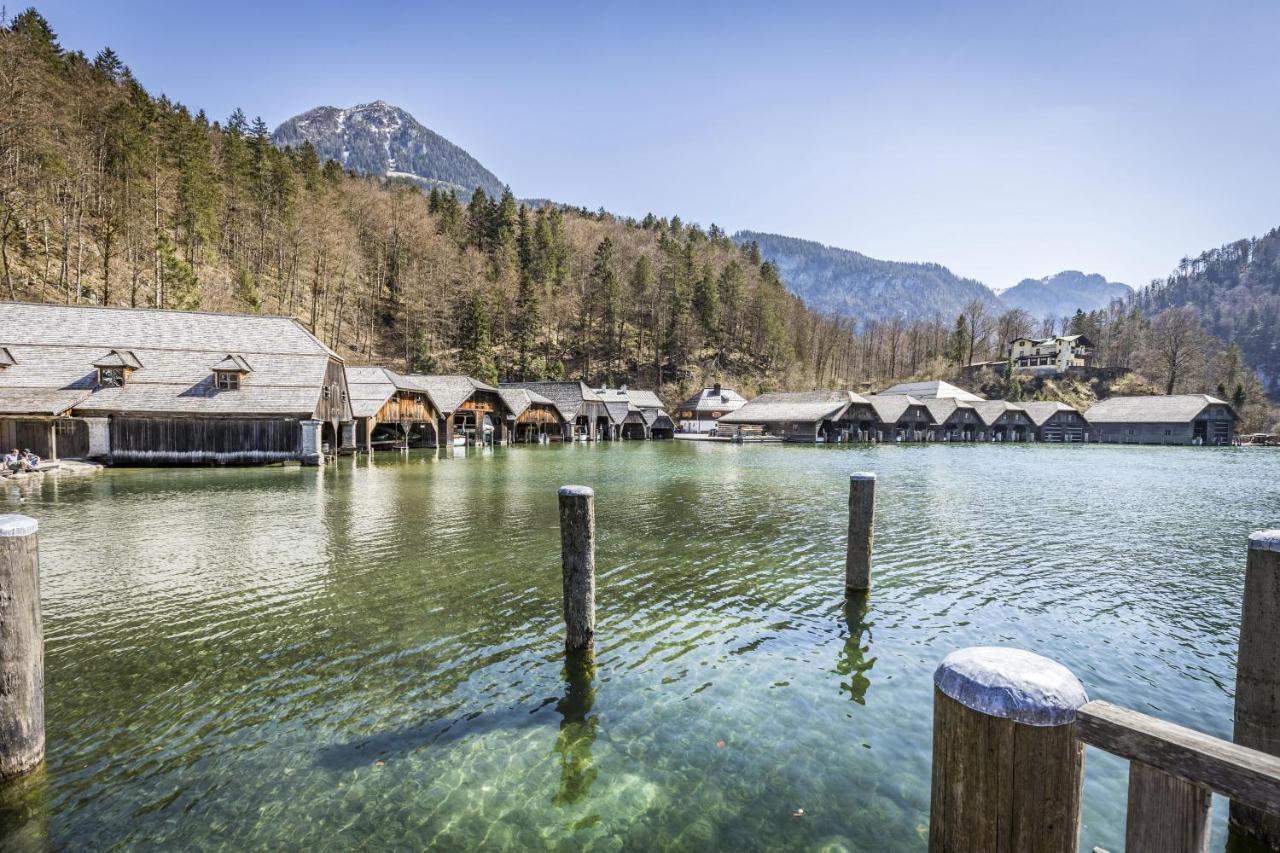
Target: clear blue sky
<point>1004,141</point>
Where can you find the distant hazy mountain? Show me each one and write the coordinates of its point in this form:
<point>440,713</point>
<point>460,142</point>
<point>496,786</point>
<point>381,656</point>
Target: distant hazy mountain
<point>381,139</point>
<point>839,281</point>
<point>1064,293</point>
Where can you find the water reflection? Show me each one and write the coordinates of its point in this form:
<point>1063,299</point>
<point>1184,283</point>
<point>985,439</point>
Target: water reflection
<point>854,662</point>
<point>24,813</point>
<point>577,729</point>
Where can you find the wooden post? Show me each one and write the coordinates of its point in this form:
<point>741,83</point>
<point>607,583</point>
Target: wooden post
<point>1167,814</point>
<point>1257,714</point>
<point>862,517</point>
<point>578,561</point>
<point>21,648</point>
<point>1007,768</point>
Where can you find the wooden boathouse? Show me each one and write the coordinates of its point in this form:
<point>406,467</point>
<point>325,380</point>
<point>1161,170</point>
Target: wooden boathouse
<point>1053,421</point>
<point>798,416</point>
<point>145,386</point>
<point>586,418</point>
<point>531,417</point>
<point>952,419</point>
<point>1003,421</point>
<point>391,411</point>
<point>468,409</point>
<point>900,417</point>
<point>639,413</point>
<point>1178,419</point>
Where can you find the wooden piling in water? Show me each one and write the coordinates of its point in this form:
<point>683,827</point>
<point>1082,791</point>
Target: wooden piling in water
<point>862,519</point>
<point>1007,768</point>
<point>1257,711</point>
<point>578,561</point>
<point>21,648</point>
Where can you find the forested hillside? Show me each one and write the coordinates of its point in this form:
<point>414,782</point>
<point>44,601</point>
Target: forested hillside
<point>850,284</point>
<point>1235,291</point>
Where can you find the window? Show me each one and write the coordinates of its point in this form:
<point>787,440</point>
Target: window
<point>111,377</point>
<point>325,393</point>
<point>225,380</point>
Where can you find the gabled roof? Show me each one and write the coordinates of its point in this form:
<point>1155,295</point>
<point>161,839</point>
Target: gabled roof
<point>991,410</point>
<point>644,399</point>
<point>1041,411</point>
<point>371,387</point>
<point>785,406</point>
<point>448,392</point>
<point>891,407</point>
<point>56,347</point>
<point>233,364</point>
<point>119,358</point>
<point>517,400</point>
<point>1178,408</point>
<point>571,398</point>
<point>712,399</point>
<point>617,401</point>
<point>942,408</point>
<point>934,388</point>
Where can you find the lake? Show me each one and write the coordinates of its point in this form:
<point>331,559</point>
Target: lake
<point>371,655</point>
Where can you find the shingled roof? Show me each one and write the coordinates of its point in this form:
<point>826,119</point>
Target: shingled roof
<point>520,399</point>
<point>714,399</point>
<point>570,398</point>
<point>371,387</point>
<point>793,406</point>
<point>933,389</point>
<point>941,408</point>
<point>891,407</point>
<point>1041,411</point>
<point>991,410</point>
<point>644,399</point>
<point>1174,409</point>
<point>172,353</point>
<point>448,392</point>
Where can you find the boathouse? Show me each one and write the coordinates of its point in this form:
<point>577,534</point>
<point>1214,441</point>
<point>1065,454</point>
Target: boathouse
<point>900,417</point>
<point>585,415</point>
<point>143,386</point>
<point>1003,421</point>
<point>703,410</point>
<point>658,423</point>
<point>1056,422</point>
<point>933,389</point>
<point>1177,419</point>
<point>470,411</point>
<point>390,410</point>
<point>532,418</point>
<point>802,416</point>
<point>952,419</point>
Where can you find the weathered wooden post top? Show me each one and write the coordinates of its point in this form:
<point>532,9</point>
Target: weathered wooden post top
<point>1257,711</point>
<point>862,519</point>
<point>1007,768</point>
<point>21,648</point>
<point>578,561</point>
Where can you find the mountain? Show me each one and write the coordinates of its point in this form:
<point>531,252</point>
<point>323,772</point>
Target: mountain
<point>381,139</point>
<point>839,281</point>
<point>1063,294</point>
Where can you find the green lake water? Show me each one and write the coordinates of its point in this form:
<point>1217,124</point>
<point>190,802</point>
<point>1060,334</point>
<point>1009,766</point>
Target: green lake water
<point>370,656</point>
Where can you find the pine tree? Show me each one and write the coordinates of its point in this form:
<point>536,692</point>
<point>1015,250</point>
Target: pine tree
<point>959,342</point>
<point>475,338</point>
<point>706,301</point>
<point>732,286</point>
<point>478,219</point>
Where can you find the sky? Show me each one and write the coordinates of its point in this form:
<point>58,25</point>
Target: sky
<point>1004,141</point>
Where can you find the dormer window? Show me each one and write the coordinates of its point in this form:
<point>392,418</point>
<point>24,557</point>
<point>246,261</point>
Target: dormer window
<point>6,358</point>
<point>228,374</point>
<point>115,368</point>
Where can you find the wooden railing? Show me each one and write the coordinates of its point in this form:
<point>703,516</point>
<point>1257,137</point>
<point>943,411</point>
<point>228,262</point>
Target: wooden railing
<point>1010,728</point>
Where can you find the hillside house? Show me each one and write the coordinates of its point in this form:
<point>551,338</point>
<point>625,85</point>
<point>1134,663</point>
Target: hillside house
<point>1050,356</point>
<point>703,410</point>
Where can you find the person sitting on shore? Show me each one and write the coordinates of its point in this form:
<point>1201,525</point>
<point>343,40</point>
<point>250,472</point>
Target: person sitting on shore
<point>13,461</point>
<point>30,462</point>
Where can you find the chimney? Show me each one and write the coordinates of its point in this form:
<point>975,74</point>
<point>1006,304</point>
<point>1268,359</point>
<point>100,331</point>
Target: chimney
<point>716,389</point>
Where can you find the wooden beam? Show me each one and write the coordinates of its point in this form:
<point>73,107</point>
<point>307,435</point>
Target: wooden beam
<point>1245,775</point>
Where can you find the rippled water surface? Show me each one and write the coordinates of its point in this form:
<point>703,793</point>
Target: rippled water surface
<point>370,656</point>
